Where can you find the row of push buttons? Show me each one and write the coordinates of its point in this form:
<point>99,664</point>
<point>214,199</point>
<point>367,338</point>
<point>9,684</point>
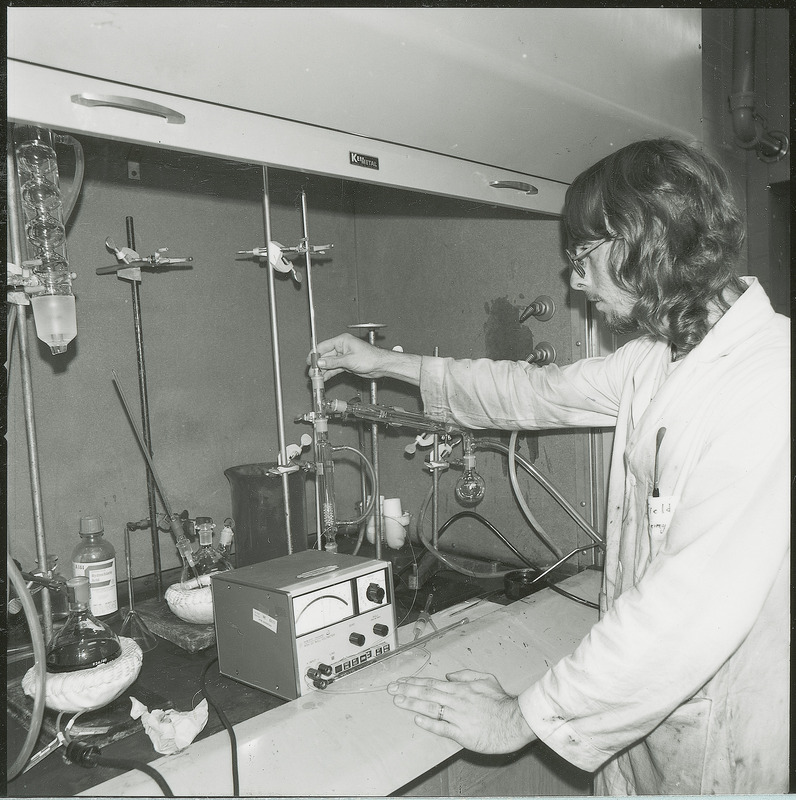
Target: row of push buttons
<point>319,675</point>
<point>361,659</point>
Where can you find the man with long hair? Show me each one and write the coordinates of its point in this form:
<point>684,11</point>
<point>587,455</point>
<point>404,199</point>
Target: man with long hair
<point>682,686</point>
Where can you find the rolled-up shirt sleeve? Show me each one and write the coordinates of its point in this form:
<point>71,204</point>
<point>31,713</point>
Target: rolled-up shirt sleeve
<point>509,395</point>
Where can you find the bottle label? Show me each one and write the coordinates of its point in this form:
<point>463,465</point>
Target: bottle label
<point>102,583</point>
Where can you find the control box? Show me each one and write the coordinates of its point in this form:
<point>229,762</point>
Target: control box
<point>291,624</point>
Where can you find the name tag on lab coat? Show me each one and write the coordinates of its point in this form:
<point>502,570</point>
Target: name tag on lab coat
<point>660,511</point>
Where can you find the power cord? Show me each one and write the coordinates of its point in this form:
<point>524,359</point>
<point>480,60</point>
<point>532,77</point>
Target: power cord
<point>233,742</point>
<point>85,755</point>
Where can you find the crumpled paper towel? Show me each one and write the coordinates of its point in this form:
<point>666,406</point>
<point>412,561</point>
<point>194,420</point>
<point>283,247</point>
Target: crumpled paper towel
<point>170,731</point>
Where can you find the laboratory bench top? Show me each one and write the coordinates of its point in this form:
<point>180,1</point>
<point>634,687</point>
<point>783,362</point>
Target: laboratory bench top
<point>357,743</point>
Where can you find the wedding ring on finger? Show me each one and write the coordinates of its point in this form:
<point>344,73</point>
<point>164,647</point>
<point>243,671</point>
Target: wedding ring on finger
<point>441,713</point>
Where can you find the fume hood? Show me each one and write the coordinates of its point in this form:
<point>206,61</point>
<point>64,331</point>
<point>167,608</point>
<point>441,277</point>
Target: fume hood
<point>498,105</point>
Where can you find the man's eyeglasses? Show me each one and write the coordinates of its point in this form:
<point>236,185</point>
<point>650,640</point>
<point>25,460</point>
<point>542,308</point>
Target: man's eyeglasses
<point>576,258</point>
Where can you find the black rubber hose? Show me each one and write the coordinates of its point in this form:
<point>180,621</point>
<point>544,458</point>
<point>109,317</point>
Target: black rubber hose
<point>484,521</point>
<point>128,764</point>
<point>85,755</point>
<point>233,742</point>
<point>40,657</point>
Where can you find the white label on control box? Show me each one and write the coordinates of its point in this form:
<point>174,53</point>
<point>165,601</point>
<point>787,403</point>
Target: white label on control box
<point>263,619</point>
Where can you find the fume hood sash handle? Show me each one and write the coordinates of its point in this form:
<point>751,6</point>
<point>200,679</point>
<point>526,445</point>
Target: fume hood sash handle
<point>129,104</point>
<point>520,186</point>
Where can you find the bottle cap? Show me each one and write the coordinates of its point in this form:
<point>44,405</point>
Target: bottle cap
<point>79,589</point>
<point>89,525</point>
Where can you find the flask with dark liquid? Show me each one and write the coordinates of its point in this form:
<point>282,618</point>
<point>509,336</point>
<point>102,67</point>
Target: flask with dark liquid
<point>84,641</point>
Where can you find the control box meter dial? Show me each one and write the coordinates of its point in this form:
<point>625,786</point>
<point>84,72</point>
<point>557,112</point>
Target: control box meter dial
<point>323,607</point>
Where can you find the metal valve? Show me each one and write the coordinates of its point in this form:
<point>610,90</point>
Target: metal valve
<point>543,353</point>
<point>542,308</point>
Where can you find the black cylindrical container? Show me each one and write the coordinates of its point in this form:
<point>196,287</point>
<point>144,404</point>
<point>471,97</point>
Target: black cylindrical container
<point>522,582</point>
<point>258,509</point>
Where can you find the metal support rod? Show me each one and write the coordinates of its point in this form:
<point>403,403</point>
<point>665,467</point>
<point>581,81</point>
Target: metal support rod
<point>435,485</point>
<point>280,407</point>
<point>145,426</point>
<point>374,445</point>
<point>33,460</point>
<point>142,444</point>
<point>308,264</point>
<point>363,481</point>
<point>27,400</point>
<point>128,561</point>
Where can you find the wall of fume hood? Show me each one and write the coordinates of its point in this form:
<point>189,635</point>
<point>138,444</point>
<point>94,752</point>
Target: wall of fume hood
<point>438,271</point>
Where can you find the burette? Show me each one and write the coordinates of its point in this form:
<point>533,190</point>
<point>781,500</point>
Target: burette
<point>322,449</point>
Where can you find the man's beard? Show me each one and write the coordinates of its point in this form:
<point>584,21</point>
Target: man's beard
<point>620,325</point>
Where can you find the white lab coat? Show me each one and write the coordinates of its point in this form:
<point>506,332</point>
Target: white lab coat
<point>682,687</point>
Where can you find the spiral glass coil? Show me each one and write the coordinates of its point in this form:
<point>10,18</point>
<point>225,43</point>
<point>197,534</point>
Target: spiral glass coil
<point>42,203</point>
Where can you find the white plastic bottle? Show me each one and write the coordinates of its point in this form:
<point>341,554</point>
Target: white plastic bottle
<point>95,558</point>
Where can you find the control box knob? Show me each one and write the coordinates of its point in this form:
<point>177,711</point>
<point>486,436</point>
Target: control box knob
<point>375,593</point>
<point>357,638</point>
<point>380,629</point>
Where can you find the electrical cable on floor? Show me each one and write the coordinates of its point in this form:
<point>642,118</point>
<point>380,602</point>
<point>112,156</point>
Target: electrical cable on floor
<point>233,742</point>
<point>85,755</point>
